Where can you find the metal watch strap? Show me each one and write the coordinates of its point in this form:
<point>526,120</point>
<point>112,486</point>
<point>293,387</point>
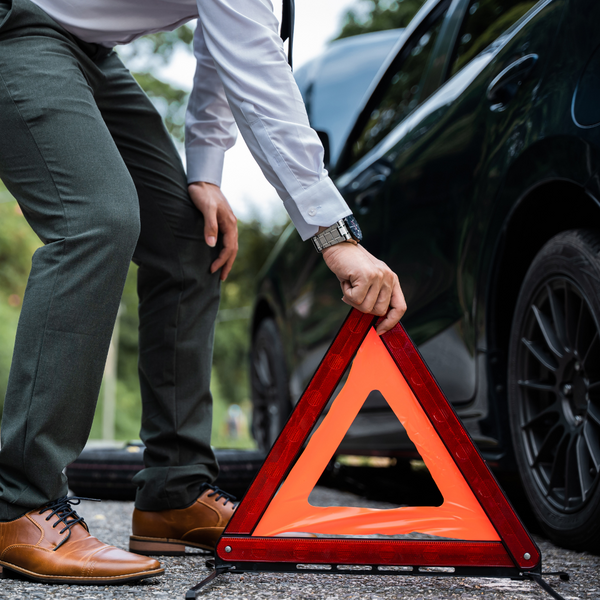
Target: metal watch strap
<point>337,233</point>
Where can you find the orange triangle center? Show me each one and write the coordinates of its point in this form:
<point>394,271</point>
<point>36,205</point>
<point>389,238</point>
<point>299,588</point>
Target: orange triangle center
<point>459,517</point>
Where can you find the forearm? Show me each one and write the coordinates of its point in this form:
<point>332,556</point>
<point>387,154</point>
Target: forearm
<point>242,38</point>
<point>210,126</point>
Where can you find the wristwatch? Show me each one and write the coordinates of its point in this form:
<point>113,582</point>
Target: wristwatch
<point>345,230</point>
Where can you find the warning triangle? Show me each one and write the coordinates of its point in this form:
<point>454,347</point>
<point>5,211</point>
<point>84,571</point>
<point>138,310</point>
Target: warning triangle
<point>275,527</point>
<point>459,517</point>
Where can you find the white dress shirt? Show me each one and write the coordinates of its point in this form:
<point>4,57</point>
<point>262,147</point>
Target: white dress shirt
<point>241,72</point>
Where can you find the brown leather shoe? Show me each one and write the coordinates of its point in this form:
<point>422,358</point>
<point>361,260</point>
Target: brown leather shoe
<point>168,532</point>
<point>53,545</point>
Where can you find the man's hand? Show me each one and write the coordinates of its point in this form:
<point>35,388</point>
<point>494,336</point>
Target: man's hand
<point>218,217</point>
<point>368,283</point>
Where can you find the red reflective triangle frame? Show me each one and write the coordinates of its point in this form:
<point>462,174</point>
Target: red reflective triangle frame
<point>515,550</point>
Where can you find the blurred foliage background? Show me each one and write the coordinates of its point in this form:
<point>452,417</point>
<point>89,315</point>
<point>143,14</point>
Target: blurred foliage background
<point>230,383</point>
<point>378,15</point>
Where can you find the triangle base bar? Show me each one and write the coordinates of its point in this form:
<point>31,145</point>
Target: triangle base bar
<point>374,569</point>
<point>420,553</point>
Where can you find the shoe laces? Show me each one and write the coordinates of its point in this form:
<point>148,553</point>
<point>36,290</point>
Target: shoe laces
<point>63,509</point>
<point>218,492</point>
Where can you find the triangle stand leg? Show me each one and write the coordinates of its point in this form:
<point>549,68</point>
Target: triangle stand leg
<point>205,584</point>
<point>545,585</point>
<point>193,593</point>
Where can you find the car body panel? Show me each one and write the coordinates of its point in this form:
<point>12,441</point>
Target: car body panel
<point>445,197</point>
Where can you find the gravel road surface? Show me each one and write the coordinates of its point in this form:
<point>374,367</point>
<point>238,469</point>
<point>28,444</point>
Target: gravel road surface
<point>111,521</point>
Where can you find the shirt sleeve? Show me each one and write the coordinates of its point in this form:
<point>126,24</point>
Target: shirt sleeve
<point>209,125</point>
<point>248,55</point>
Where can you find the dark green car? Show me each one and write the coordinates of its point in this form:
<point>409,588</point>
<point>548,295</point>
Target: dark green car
<point>469,151</point>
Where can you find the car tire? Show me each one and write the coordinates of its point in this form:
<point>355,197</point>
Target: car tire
<point>271,404</point>
<point>107,473</point>
<point>554,388</point>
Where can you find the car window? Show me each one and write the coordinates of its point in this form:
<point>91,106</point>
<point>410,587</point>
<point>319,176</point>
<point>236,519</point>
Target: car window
<point>400,92</point>
<point>344,76</point>
<point>485,20</point>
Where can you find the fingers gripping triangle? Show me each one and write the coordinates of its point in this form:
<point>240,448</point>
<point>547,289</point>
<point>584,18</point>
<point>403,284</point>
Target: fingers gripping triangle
<point>460,516</point>
<point>481,529</point>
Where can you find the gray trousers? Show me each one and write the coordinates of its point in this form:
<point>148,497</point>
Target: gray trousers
<point>97,177</point>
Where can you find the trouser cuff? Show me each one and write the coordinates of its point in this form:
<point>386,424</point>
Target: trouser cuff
<point>165,488</point>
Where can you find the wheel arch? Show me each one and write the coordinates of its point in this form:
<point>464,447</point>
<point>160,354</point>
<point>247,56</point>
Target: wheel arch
<point>520,243</point>
<point>517,245</point>
<point>534,187</point>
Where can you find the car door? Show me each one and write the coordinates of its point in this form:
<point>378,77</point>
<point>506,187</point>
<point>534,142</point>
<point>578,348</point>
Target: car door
<point>434,173</point>
<point>314,310</point>
<point>333,87</point>
<point>407,226</point>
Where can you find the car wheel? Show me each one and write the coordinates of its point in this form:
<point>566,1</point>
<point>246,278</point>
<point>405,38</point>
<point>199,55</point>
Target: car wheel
<point>270,393</point>
<point>554,388</point>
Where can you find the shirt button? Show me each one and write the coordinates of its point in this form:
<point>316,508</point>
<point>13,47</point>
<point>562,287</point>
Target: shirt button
<point>312,212</point>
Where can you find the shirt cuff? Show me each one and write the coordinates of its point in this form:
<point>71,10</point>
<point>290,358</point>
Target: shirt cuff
<point>320,205</point>
<point>205,163</point>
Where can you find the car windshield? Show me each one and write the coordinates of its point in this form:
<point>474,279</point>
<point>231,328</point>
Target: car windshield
<point>334,85</point>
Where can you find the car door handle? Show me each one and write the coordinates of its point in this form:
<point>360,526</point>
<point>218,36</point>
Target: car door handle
<point>365,199</point>
<point>366,187</point>
<point>506,84</point>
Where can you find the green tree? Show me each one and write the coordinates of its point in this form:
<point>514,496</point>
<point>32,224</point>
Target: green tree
<point>378,15</point>
<point>170,101</point>
<point>158,49</point>
<point>17,244</point>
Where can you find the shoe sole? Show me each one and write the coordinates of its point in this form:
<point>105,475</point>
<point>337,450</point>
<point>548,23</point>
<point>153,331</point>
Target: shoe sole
<point>162,546</point>
<point>8,571</point>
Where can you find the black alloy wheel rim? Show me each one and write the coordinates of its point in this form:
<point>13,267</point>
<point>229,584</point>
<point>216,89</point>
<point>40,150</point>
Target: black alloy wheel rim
<point>558,369</point>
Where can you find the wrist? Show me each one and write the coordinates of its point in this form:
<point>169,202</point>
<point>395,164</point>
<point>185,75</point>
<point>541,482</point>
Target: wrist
<point>203,184</point>
<point>344,230</point>
<point>332,249</point>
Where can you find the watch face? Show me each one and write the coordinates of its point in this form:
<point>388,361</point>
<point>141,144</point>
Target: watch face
<point>353,227</point>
